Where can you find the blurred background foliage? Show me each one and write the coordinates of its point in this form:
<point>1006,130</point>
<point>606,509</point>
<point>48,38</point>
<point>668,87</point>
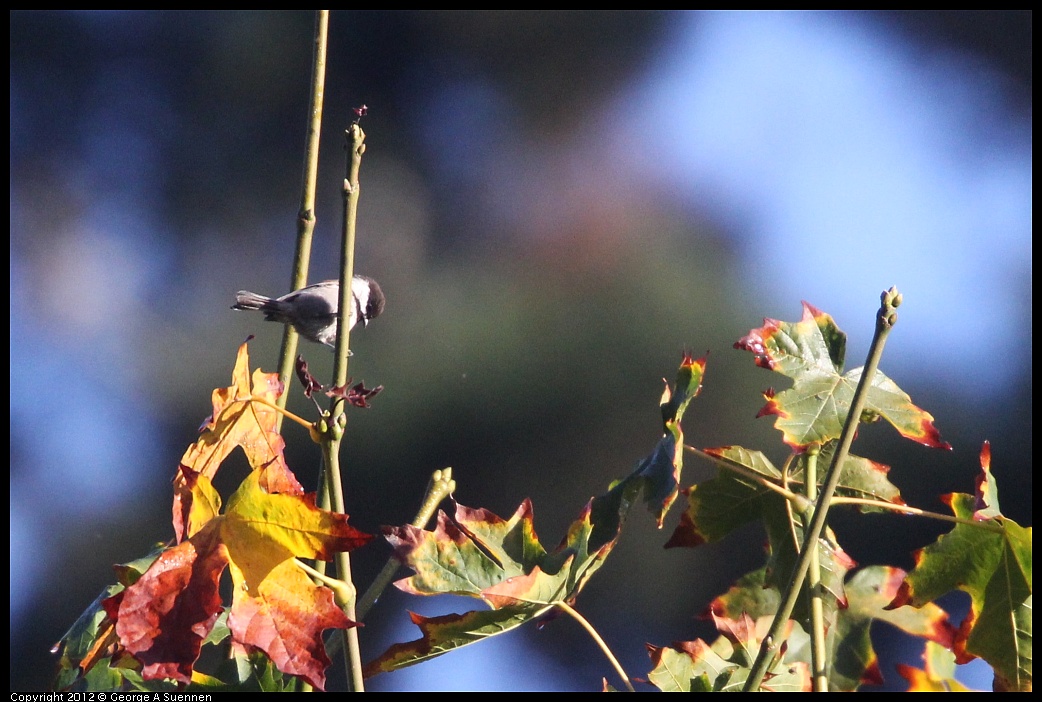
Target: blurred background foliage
<point>557,204</point>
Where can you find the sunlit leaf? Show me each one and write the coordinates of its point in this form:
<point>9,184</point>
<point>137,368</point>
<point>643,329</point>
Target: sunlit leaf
<point>164,617</point>
<point>501,562</point>
<point>991,561</point>
<point>85,650</point>
<point>785,536</point>
<point>357,395</point>
<point>689,383</point>
<point>860,478</point>
<point>85,644</point>
<point>475,553</point>
<point>739,495</point>
<point>237,422</point>
<point>718,506</point>
<point>811,352</point>
<point>852,661</point>
<point>657,477</point>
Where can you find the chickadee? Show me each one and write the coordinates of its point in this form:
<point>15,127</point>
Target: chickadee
<point>313,310</point>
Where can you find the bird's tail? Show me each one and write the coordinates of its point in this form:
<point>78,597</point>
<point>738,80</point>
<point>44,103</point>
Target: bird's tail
<point>246,300</point>
<point>274,310</point>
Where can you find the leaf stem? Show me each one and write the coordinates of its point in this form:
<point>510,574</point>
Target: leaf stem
<point>282,411</point>
<point>565,607</point>
<point>987,525</point>
<point>758,478</point>
<point>344,593</point>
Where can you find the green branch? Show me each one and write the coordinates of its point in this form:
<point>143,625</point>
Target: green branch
<point>306,215</point>
<point>337,419</point>
<point>770,648</point>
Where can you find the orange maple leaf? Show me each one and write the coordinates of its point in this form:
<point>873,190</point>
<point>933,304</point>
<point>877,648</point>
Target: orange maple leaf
<point>163,618</point>
<point>242,416</point>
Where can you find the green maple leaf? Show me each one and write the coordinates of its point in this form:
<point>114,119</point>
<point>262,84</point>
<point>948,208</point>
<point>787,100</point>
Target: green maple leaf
<point>811,352</point>
<point>84,658</point>
<point>861,478</point>
<point>718,506</point>
<point>993,565</point>
<point>475,553</point>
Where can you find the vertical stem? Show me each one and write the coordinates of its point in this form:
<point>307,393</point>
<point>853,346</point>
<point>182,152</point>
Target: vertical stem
<point>356,147</point>
<point>337,418</point>
<point>306,215</point>
<point>814,593</point>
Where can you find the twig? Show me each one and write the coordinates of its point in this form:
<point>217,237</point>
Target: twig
<point>770,646</point>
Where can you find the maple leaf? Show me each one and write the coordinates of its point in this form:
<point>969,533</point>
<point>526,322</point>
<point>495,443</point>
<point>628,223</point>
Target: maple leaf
<point>811,352</point>
<point>89,640</point>
<point>237,422</point>
<point>784,537</point>
<point>446,633</point>
<point>170,603</point>
<point>689,383</point>
<point>163,618</point>
<point>475,553</point>
<point>724,665</point>
<point>992,563</point>
<point>718,506</point>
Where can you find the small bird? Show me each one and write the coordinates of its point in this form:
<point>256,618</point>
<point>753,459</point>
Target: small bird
<point>313,310</point>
